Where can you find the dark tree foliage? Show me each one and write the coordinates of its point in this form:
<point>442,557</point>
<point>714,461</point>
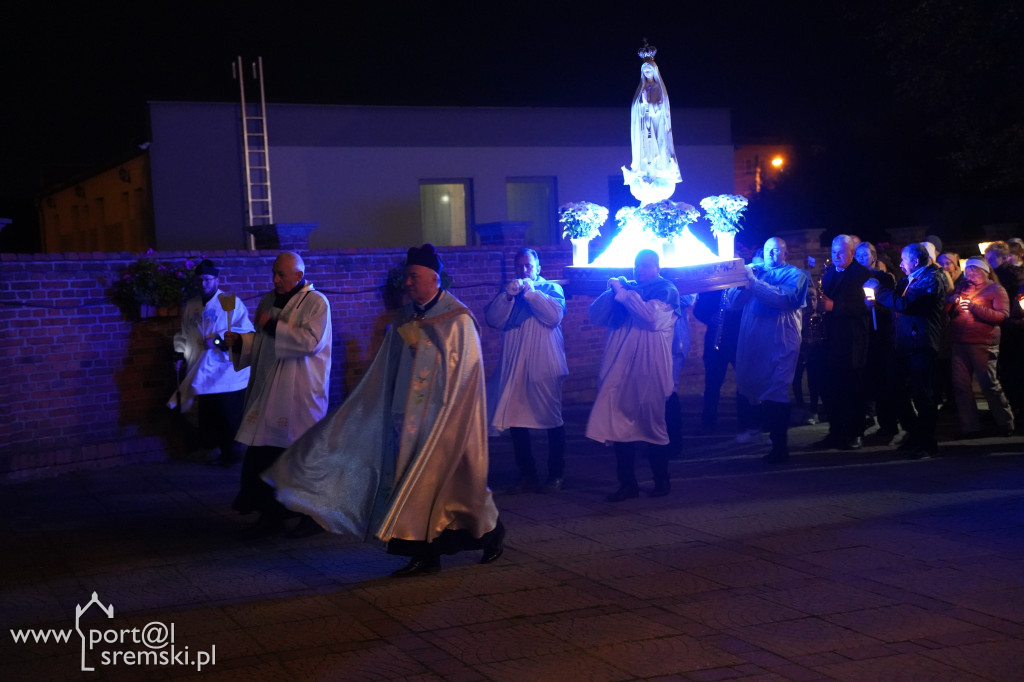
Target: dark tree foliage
<point>957,68</point>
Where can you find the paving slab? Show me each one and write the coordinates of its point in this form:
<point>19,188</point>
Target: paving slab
<point>855,565</point>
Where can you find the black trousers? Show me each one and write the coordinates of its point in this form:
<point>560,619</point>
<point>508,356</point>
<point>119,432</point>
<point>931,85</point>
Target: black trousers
<point>844,402</point>
<point>254,494</point>
<point>524,455</point>
<point>1010,366</point>
<point>775,417</point>
<point>913,385</point>
<point>716,363</point>
<point>625,456</point>
<point>220,415</point>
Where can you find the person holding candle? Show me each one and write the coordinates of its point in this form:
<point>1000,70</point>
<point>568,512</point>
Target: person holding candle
<point>919,301</point>
<point>980,305</point>
<point>880,347</point>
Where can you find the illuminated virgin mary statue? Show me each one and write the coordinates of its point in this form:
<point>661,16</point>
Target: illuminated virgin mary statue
<point>654,172</point>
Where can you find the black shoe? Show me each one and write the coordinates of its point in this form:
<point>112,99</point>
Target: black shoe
<point>305,528</point>
<point>495,546</point>
<point>623,493</point>
<point>660,489</point>
<point>855,444</point>
<point>418,566</point>
<point>265,525</point>
<point>969,435</point>
<point>776,457</point>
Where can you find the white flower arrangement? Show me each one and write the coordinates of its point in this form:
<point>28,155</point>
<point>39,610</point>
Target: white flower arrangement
<point>667,219</point>
<point>582,219</point>
<point>724,211</point>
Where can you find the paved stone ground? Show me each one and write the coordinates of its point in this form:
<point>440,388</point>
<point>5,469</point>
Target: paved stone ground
<point>840,566</point>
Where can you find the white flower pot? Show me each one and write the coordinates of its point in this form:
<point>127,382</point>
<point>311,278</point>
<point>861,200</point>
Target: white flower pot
<point>726,245</point>
<point>581,251</point>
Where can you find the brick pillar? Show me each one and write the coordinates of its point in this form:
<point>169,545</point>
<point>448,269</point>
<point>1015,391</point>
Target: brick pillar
<point>804,243</point>
<point>283,236</point>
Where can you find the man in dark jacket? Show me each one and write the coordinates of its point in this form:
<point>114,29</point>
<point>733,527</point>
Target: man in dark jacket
<point>919,302</point>
<point>723,330</point>
<point>1011,343</point>
<point>847,323</point>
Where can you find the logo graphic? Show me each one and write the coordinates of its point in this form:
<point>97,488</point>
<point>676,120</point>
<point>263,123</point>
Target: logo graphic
<point>79,610</point>
<point>151,645</point>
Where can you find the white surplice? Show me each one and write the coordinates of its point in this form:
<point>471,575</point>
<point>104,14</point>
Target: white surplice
<point>635,378</point>
<point>291,370</point>
<point>529,389</point>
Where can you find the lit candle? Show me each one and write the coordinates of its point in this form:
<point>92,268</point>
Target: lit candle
<point>869,295</point>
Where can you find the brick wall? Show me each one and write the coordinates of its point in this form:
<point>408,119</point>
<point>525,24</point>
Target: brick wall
<point>85,388</point>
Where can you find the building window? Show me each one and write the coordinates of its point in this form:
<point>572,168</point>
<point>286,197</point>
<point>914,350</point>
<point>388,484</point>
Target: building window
<point>446,211</point>
<point>534,200</point>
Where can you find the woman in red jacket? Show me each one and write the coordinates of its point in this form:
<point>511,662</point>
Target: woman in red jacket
<point>980,304</point>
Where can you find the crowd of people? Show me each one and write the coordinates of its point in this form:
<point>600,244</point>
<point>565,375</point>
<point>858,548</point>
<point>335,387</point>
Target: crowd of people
<point>405,458</point>
<point>883,344</point>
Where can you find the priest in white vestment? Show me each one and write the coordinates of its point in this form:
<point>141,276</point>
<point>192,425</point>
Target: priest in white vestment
<point>290,359</point>
<point>405,456</point>
<point>635,378</point>
<point>529,389</point>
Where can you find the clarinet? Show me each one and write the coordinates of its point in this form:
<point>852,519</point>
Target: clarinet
<point>721,320</point>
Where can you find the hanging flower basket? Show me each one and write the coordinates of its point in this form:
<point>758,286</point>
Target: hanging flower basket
<point>150,288</point>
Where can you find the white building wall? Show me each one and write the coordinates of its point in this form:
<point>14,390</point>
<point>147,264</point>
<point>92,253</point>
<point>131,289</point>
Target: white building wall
<point>365,197</point>
<point>356,170</point>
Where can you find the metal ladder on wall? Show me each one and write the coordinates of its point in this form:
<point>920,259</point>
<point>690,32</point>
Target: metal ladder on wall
<point>255,150</point>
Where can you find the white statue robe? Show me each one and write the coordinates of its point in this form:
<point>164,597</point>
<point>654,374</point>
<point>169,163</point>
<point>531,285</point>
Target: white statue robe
<point>405,456</point>
<point>529,389</point>
<point>635,378</point>
<point>208,371</point>
<point>769,340</point>
<point>291,370</point>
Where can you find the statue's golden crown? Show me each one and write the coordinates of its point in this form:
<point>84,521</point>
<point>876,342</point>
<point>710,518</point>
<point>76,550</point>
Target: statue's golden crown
<point>647,52</point>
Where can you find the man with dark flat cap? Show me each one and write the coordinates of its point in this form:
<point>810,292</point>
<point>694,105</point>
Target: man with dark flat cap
<point>405,457</point>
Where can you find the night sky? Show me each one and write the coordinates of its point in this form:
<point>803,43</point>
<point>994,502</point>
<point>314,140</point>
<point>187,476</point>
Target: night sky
<point>817,74</point>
